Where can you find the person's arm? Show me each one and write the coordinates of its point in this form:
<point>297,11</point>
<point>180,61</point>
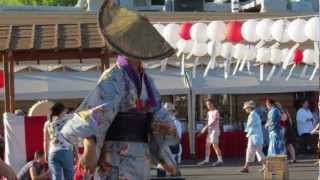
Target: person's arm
<point>250,125</point>
<point>46,142</point>
<point>35,176</point>
<point>95,116</point>
<point>7,171</point>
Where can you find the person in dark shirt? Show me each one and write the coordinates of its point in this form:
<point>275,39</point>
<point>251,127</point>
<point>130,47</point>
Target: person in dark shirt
<point>36,169</point>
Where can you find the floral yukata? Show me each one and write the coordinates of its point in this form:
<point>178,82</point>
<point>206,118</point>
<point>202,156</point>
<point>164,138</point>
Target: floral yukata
<point>118,91</point>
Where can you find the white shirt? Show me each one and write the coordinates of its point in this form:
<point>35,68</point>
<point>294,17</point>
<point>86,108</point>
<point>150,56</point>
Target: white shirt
<point>304,121</point>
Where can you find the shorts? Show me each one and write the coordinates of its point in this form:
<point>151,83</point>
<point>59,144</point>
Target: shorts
<point>213,138</point>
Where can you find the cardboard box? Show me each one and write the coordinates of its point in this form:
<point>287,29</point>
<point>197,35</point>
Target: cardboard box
<point>276,168</point>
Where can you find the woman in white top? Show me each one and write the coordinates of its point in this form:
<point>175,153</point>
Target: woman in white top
<point>213,128</point>
<point>57,150</point>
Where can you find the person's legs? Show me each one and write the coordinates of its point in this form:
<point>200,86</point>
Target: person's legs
<point>54,166</point>
<point>292,152</point>
<point>218,152</point>
<point>207,153</point>
<point>66,159</point>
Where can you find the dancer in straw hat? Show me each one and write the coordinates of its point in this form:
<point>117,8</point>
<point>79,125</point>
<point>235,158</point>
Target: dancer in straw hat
<point>121,122</point>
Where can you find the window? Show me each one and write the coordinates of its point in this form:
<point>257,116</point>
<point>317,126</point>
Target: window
<point>157,2</point>
<point>140,3</point>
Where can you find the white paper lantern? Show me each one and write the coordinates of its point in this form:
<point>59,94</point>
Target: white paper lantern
<point>248,30</point>
<point>312,29</point>
<point>216,31</point>
<point>279,31</point>
<point>296,30</point>
<point>171,34</point>
<point>159,28</point>
<point>226,50</point>
<point>263,29</point>
<point>263,55</point>
<point>199,49</point>
<point>216,46</point>
<point>250,53</point>
<point>198,32</point>
<point>276,56</point>
<point>309,56</point>
<point>239,51</point>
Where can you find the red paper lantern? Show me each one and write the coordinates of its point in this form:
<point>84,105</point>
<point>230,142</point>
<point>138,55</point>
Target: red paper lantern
<point>1,78</point>
<point>184,31</point>
<point>233,31</point>
<point>298,56</point>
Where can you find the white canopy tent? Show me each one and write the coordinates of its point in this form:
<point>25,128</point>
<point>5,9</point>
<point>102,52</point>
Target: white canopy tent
<point>70,85</point>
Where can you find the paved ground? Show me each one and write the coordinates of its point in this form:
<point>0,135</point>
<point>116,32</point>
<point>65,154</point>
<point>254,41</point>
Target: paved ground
<point>304,169</point>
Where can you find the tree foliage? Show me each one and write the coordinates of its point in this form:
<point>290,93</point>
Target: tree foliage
<point>39,2</point>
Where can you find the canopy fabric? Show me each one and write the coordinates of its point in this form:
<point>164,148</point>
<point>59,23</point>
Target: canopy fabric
<point>71,85</point>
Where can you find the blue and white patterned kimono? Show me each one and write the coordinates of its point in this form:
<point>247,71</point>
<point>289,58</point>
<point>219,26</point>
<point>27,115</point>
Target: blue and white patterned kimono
<point>115,92</point>
<point>276,140</point>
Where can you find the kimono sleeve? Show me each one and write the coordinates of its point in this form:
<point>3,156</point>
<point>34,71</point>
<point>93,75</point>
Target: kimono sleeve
<point>97,111</point>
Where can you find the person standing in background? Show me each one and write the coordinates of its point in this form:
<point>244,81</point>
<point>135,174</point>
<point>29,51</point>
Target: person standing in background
<point>254,135</point>
<point>305,125</point>
<point>276,142</point>
<point>213,129</point>
<point>57,150</point>
<point>289,136</point>
<point>175,149</point>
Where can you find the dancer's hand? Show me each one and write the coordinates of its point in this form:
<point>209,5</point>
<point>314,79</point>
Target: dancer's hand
<point>89,158</point>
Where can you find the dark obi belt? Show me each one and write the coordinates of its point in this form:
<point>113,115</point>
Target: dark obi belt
<point>130,127</point>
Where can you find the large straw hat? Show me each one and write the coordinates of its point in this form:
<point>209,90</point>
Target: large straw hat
<point>249,104</point>
<point>131,34</point>
<point>41,108</point>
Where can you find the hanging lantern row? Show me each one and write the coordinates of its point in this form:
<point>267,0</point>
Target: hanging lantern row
<point>200,39</point>
<point>252,31</point>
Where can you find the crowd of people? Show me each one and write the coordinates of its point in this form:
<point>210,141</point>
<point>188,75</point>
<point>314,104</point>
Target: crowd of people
<point>280,132</point>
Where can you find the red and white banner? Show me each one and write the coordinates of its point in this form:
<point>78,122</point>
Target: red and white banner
<point>23,136</point>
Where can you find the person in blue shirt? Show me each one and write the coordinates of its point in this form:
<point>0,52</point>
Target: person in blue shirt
<point>276,140</point>
<point>254,135</point>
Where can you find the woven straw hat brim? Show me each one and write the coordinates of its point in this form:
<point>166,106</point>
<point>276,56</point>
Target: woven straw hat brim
<point>41,108</point>
<point>131,34</point>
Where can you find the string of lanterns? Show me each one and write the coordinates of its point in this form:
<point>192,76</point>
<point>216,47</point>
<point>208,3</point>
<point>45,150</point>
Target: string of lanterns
<point>245,41</point>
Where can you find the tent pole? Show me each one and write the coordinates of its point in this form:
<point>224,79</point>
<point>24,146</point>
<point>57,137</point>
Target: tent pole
<point>6,83</point>
<point>11,84</point>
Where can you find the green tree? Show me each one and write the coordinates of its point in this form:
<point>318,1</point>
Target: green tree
<point>39,2</point>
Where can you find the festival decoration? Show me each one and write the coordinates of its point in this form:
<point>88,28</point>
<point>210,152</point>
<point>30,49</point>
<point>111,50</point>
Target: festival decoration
<point>214,49</point>
<point>198,32</point>
<point>184,31</point>
<point>249,55</point>
<point>263,56</point>
<point>171,35</point>
<point>226,52</point>
<point>215,33</point>
<point>233,31</point>
<point>275,59</point>
<point>198,50</point>
<point>295,30</point>
<point>239,54</point>
<point>308,59</point>
<point>297,59</point>
<point>1,78</point>
<point>184,47</point>
<point>279,31</point>
<point>248,31</point>
<point>263,30</point>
